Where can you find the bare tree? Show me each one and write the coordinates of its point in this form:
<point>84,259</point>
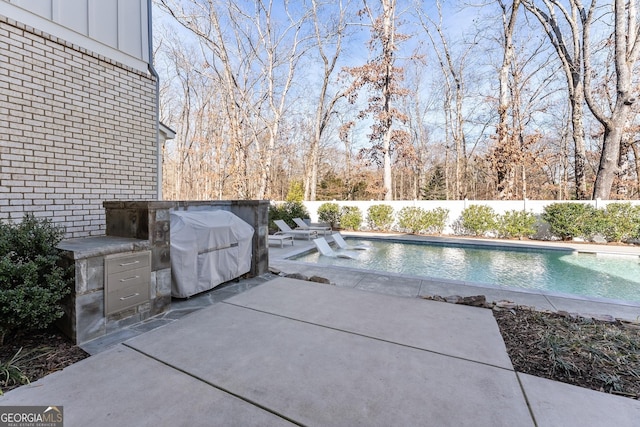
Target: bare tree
<point>382,77</point>
<point>253,55</point>
<point>626,45</point>
<point>326,36</point>
<point>554,18</point>
<point>504,143</point>
<point>454,93</point>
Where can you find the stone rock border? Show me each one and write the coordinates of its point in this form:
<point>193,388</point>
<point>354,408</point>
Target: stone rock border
<point>505,305</point>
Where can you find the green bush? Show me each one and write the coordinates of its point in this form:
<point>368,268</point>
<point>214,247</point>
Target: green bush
<point>569,220</point>
<point>329,213</point>
<point>286,211</point>
<point>413,218</point>
<point>350,217</point>
<point>621,222</point>
<point>517,224</point>
<point>436,220</point>
<point>380,217</point>
<point>32,282</point>
<point>478,220</point>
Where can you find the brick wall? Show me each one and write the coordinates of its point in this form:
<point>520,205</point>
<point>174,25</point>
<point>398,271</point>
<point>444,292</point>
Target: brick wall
<point>76,129</point>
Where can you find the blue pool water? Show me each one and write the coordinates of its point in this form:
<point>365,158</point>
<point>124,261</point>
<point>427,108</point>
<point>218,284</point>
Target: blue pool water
<point>607,276</point>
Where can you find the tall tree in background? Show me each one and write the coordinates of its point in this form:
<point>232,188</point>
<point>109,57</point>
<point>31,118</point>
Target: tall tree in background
<point>626,45</point>
<point>453,98</point>
<point>329,32</point>
<point>252,52</point>
<point>381,77</point>
<point>279,46</point>
<point>556,19</point>
<point>506,145</point>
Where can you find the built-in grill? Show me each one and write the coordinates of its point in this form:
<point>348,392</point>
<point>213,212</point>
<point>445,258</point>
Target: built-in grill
<point>207,248</point>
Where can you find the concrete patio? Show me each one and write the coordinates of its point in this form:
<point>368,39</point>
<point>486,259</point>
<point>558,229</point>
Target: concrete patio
<point>278,351</point>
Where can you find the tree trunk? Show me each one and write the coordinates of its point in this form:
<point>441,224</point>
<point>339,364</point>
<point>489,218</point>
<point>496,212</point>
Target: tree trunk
<point>636,159</point>
<point>626,49</point>
<point>580,154</point>
<point>608,167</point>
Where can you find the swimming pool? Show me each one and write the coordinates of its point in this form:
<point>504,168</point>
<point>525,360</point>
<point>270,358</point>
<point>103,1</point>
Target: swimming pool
<point>565,271</point>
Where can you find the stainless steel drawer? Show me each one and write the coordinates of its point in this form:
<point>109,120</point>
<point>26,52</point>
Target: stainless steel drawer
<point>128,297</point>
<point>127,281</point>
<point>119,263</point>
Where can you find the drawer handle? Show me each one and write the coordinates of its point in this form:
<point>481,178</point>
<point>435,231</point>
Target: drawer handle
<point>130,296</point>
<point>124,264</point>
<point>129,278</point>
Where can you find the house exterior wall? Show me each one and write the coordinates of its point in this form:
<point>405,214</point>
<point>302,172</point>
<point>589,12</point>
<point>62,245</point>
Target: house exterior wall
<point>117,29</point>
<point>76,129</point>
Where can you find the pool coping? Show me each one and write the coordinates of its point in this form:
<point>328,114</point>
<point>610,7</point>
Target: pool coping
<point>624,310</point>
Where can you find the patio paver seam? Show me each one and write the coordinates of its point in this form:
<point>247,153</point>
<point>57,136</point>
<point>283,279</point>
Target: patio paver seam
<point>546,297</point>
<point>222,389</point>
<point>526,399</point>
<point>369,337</point>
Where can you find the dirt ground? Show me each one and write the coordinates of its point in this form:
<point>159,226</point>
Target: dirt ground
<point>587,353</point>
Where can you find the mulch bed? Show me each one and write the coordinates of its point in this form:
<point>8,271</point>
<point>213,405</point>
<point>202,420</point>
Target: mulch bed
<point>41,353</point>
<point>603,356</point>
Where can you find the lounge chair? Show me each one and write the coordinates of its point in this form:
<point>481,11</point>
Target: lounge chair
<point>323,247</point>
<point>319,228</point>
<point>337,237</point>
<point>286,230</point>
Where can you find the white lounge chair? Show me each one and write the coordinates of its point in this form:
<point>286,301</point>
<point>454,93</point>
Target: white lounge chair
<point>323,247</point>
<point>319,228</point>
<point>286,230</point>
<point>337,237</point>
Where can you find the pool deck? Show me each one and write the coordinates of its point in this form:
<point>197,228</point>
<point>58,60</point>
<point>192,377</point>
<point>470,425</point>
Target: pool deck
<point>277,351</point>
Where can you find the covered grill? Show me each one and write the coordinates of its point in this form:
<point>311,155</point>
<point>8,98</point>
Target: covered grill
<point>207,248</point>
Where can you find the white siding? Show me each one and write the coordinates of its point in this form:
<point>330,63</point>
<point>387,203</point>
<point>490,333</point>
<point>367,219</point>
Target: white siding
<point>99,11</point>
<point>116,29</point>
<point>72,14</point>
<point>129,37</point>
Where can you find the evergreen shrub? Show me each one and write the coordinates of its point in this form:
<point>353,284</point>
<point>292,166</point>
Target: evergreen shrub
<point>622,222</point>
<point>350,217</point>
<point>479,220</point>
<point>380,217</point>
<point>413,219</point>
<point>517,224</point>
<point>570,220</point>
<point>286,211</point>
<point>436,220</point>
<point>329,213</point>
<point>32,280</point>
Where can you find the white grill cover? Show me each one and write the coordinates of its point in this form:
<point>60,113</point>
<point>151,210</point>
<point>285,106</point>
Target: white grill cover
<point>207,248</point>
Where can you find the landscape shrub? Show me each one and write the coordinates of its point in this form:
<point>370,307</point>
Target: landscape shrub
<point>380,217</point>
<point>436,220</point>
<point>621,222</point>
<point>329,213</point>
<point>413,219</point>
<point>570,220</point>
<point>517,224</point>
<point>286,211</point>
<point>350,217</point>
<point>32,281</point>
<point>479,220</point>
